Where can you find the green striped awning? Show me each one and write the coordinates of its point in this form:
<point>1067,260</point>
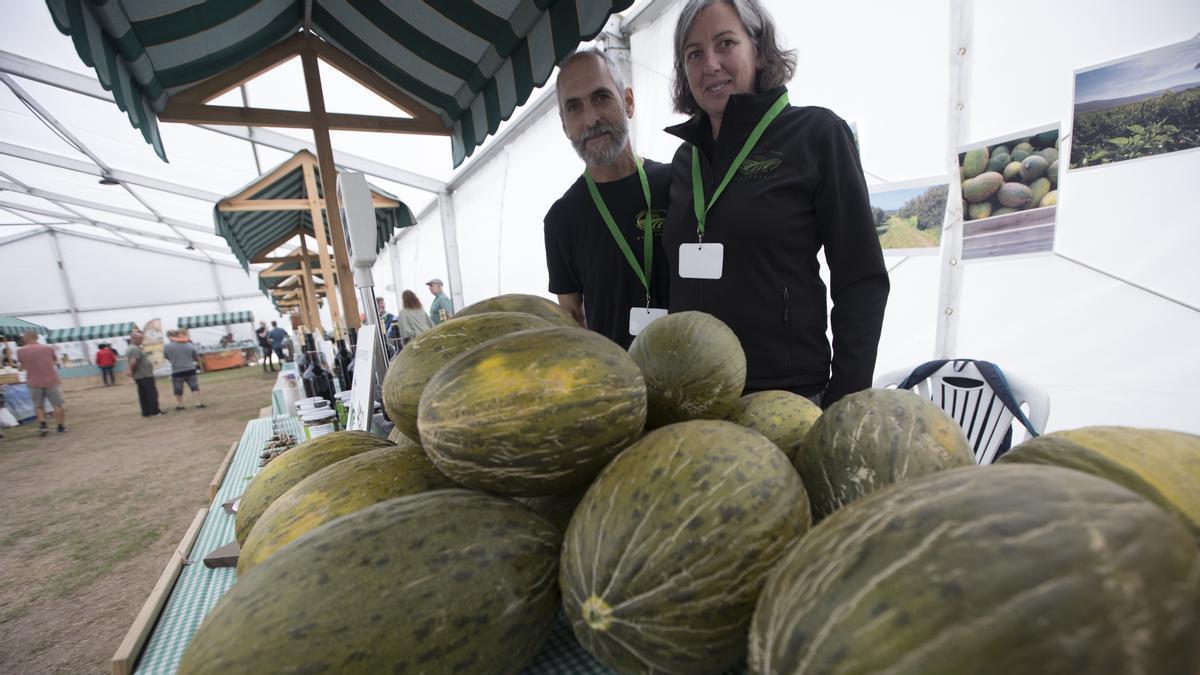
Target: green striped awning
<point>12,327</point>
<point>219,319</point>
<point>471,63</point>
<point>99,332</point>
<point>251,233</point>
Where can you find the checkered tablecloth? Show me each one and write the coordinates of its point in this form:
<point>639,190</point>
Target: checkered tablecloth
<point>199,588</point>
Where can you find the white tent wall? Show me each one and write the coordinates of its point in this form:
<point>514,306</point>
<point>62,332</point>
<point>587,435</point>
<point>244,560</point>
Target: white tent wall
<point>422,253</point>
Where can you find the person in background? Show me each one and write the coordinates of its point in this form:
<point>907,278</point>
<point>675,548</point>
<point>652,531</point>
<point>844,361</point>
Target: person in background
<point>385,317</point>
<point>595,234</point>
<point>264,343</point>
<point>795,188</point>
<point>141,369</point>
<point>7,360</point>
<point>185,362</point>
<point>106,359</point>
<point>278,337</point>
<point>226,340</point>
<point>41,370</point>
<point>441,309</point>
<point>412,320</point>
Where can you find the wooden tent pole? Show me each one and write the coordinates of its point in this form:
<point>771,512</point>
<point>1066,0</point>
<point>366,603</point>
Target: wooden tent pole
<point>310,186</point>
<point>320,127</point>
<point>307,280</point>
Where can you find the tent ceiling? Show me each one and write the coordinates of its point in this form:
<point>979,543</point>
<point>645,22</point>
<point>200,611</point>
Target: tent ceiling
<point>469,64</point>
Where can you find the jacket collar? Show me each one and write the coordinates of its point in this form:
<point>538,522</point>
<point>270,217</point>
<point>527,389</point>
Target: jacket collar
<point>742,112</point>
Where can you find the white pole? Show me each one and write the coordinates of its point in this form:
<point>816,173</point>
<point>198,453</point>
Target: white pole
<point>450,237</point>
<point>950,291</point>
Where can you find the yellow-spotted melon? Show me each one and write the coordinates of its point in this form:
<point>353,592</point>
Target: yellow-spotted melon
<point>665,556</point>
<point>533,413</point>
<point>1162,466</point>
<point>450,581</point>
<point>986,571</point>
<point>410,371</point>
<point>295,465</point>
<point>337,490</point>
<point>694,365</point>
<point>783,417</point>
<point>520,302</point>
<point>874,438</point>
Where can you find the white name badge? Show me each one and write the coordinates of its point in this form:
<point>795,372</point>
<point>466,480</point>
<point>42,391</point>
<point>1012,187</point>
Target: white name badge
<point>701,261</point>
<point>640,317</point>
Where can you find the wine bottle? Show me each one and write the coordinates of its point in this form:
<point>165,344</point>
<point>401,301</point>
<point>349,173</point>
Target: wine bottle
<point>315,376</point>
<point>344,364</point>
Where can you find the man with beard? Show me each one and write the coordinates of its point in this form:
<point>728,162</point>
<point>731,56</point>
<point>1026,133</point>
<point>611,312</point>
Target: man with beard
<point>604,235</point>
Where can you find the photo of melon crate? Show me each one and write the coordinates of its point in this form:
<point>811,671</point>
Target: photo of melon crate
<point>1010,191</point>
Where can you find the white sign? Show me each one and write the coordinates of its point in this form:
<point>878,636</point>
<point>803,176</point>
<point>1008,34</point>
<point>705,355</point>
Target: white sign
<point>362,397</point>
<point>701,261</point>
<point>640,317</point>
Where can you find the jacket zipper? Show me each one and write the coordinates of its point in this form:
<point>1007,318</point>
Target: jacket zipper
<point>787,333</point>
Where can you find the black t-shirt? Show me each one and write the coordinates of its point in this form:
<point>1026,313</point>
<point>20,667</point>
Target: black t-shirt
<point>582,256</point>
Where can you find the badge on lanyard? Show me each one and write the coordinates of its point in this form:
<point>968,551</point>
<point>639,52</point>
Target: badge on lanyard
<point>701,260</point>
<point>639,317</point>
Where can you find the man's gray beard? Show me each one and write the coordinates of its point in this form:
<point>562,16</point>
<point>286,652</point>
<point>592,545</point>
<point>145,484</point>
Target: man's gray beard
<point>601,154</point>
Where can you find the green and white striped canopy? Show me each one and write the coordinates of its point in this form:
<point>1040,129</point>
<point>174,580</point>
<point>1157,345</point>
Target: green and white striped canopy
<point>251,233</point>
<point>100,332</point>
<point>472,63</point>
<point>13,327</point>
<point>219,319</point>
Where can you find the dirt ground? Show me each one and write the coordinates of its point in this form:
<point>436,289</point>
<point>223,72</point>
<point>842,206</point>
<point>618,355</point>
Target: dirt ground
<point>92,516</point>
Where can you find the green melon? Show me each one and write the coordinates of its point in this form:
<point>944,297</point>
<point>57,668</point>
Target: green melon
<point>534,413</point>
<point>1001,149</point>
<point>410,371</point>
<point>1052,172</point>
<point>998,161</point>
<point>974,162</point>
<point>520,302</point>
<point>979,211</point>
<point>664,558</point>
<point>1014,195</point>
<point>440,582</point>
<point>874,438</point>
<point>1049,154</point>
<point>990,571</point>
<point>1162,466</point>
<point>1050,199</point>
<point>1003,211</point>
<point>1039,189</point>
<point>1046,139</point>
<point>981,188</point>
<point>1022,151</point>
<point>1033,167</point>
<point>294,466</point>
<point>1012,172</point>
<point>781,416</point>
<point>694,366</point>
<point>339,489</point>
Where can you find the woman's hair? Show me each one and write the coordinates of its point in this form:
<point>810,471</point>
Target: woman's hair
<point>409,300</point>
<point>778,64</point>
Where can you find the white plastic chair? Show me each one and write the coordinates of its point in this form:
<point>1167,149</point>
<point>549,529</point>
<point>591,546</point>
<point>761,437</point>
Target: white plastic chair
<point>961,390</point>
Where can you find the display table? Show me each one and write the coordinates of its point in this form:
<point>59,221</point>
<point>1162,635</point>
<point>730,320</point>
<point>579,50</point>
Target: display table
<point>198,588</point>
<point>222,360</point>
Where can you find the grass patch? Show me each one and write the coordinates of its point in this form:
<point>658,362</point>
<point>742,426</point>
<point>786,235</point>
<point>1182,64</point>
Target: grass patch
<point>903,233</point>
<point>96,553</point>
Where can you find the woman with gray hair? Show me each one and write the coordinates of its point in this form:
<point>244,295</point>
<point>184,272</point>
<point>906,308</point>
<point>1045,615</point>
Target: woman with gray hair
<point>757,189</point>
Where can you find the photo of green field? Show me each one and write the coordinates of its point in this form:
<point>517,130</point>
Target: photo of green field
<point>1144,105</point>
<point>909,215</point>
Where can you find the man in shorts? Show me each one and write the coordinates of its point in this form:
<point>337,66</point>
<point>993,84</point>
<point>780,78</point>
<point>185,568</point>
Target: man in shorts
<point>185,360</point>
<point>41,368</point>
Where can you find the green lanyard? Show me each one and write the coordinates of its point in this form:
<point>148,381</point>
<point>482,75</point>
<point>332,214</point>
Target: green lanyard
<point>698,188</point>
<point>647,233</point>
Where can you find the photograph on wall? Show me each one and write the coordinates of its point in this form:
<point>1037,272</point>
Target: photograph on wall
<point>1010,193</point>
<point>909,214</point>
<point>1142,105</point>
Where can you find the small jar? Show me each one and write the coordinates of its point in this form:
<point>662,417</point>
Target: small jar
<point>318,423</point>
<point>341,402</point>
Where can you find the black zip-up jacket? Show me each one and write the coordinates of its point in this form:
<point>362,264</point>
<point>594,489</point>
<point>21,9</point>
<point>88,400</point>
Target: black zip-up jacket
<point>800,189</point>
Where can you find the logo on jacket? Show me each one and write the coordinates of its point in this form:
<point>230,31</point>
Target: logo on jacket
<point>656,218</point>
<point>761,164</point>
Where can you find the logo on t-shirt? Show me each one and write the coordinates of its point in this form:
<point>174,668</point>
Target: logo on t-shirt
<point>761,164</point>
<point>656,218</point>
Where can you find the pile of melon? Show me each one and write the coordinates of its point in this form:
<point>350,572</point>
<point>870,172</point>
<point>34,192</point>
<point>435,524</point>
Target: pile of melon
<point>683,526</point>
<point>1004,178</point>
